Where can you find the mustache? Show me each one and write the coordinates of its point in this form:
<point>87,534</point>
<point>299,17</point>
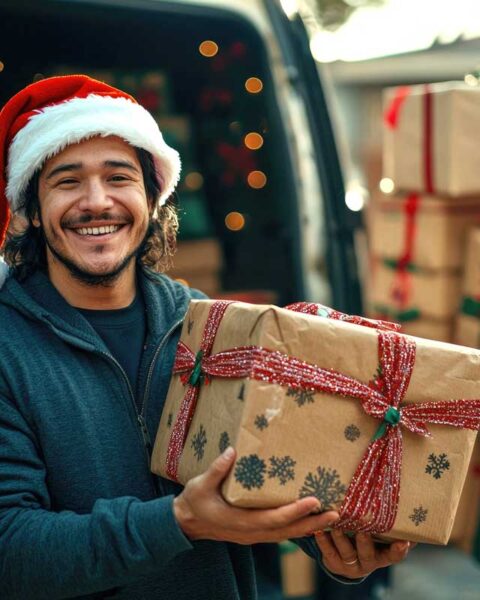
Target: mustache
<point>85,219</point>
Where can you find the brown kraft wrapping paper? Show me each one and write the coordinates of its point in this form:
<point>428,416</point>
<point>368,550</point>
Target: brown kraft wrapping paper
<point>434,294</point>
<point>444,162</point>
<point>440,229</point>
<point>290,443</point>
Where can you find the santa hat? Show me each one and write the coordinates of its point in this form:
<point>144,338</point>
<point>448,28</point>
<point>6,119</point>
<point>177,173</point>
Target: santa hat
<point>49,115</point>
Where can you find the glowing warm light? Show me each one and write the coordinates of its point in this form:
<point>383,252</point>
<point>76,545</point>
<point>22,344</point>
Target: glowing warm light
<point>471,79</point>
<point>2,66</point>
<point>257,179</point>
<point>290,7</point>
<point>194,181</point>
<point>208,48</point>
<point>254,85</point>
<point>235,221</point>
<point>183,281</point>
<point>386,185</point>
<point>354,200</point>
<point>253,141</point>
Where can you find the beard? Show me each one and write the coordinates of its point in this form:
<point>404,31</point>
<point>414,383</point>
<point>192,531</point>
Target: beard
<point>104,279</point>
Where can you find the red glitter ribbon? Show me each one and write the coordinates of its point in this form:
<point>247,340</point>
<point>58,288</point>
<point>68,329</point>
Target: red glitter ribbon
<point>371,501</point>
<point>392,114</point>
<point>402,283</point>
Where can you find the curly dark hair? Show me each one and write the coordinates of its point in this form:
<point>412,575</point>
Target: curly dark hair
<point>25,246</point>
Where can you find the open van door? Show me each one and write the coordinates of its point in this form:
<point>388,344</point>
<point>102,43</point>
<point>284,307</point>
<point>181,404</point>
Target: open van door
<point>339,222</point>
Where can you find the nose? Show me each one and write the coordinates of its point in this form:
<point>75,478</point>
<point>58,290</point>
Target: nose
<point>95,198</point>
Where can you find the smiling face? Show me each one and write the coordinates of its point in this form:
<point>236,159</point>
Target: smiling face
<point>93,210</point>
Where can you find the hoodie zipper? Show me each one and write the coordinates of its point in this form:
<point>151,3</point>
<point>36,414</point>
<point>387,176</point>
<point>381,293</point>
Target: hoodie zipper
<point>140,415</point>
<point>150,369</point>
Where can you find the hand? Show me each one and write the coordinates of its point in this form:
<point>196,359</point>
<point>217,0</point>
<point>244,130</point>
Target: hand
<point>343,557</point>
<point>202,513</point>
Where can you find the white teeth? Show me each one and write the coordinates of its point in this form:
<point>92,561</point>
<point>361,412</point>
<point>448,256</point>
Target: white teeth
<point>98,230</point>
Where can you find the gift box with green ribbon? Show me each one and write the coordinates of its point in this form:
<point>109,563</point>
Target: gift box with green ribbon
<point>377,425</point>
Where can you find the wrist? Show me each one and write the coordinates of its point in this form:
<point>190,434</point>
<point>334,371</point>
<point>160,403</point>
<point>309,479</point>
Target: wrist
<point>183,516</point>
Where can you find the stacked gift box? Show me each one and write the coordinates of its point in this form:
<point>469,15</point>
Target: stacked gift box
<point>198,263</point>
<point>467,329</point>
<point>426,270</point>
<point>418,233</point>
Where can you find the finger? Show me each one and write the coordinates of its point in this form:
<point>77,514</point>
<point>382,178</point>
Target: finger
<point>284,516</point>
<point>397,551</point>
<point>328,549</point>
<point>366,551</point>
<point>219,469</point>
<point>344,547</point>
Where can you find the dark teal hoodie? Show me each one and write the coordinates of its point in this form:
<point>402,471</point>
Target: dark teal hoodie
<point>81,515</point>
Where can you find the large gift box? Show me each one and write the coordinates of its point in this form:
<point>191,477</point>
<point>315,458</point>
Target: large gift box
<point>429,231</point>
<point>431,137</point>
<point>373,423</point>
<point>467,521</point>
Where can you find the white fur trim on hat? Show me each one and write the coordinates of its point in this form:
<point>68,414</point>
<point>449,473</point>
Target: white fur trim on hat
<point>55,127</point>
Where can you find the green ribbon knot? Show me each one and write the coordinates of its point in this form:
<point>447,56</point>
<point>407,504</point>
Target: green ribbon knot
<point>196,376</point>
<point>391,417</point>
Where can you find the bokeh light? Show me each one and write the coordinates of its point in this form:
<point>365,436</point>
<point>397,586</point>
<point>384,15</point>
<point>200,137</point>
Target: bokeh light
<point>253,140</point>
<point>257,179</point>
<point>235,221</point>
<point>194,181</point>
<point>208,48</point>
<point>254,85</point>
<point>386,185</point>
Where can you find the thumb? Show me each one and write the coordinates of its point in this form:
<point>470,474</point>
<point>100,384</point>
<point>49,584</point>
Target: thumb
<point>220,467</point>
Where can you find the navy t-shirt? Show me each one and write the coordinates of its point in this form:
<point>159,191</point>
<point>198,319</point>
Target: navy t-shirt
<point>123,330</point>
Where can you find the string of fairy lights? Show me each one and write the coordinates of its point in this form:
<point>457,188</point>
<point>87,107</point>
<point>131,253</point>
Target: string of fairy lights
<point>256,179</point>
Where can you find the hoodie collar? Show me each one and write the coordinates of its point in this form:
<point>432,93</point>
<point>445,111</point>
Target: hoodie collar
<point>36,297</point>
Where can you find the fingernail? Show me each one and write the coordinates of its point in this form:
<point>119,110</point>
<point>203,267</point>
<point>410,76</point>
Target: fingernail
<point>228,452</point>
<point>404,546</point>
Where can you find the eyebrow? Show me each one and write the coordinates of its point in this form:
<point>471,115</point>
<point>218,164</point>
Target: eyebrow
<point>76,166</point>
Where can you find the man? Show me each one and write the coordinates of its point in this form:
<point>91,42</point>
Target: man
<point>89,331</point>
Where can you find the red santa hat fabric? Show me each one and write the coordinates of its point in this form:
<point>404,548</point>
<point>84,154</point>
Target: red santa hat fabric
<point>47,116</point>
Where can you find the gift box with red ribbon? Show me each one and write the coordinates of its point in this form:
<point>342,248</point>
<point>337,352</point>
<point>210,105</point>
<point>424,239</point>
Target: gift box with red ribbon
<point>422,231</point>
<point>377,425</point>
<point>431,134</point>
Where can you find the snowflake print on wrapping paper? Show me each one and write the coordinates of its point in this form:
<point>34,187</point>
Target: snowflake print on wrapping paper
<point>282,468</point>
<point>261,422</point>
<point>241,393</point>
<point>199,441</point>
<point>170,419</point>
<point>437,465</point>
<point>419,515</point>
<point>352,433</point>
<point>250,471</point>
<point>224,442</point>
<point>325,485</point>
<point>301,396</point>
